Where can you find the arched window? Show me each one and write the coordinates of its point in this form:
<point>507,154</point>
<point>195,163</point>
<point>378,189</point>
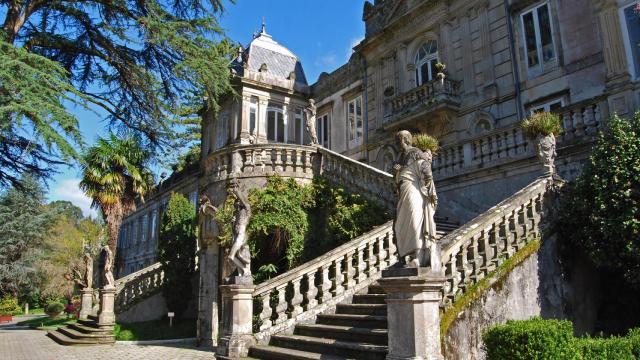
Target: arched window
<point>426,60</point>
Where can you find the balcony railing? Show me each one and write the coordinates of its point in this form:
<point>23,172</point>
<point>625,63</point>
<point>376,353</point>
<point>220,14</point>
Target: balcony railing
<point>426,96</point>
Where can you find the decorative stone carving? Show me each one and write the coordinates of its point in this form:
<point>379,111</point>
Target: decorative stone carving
<point>206,212</point>
<point>109,281</point>
<point>310,122</point>
<point>546,151</point>
<point>239,256</point>
<point>415,227</point>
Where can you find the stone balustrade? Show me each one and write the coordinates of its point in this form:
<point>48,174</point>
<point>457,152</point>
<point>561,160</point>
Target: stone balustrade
<point>583,119</point>
<point>286,160</point>
<point>426,95</point>
<point>319,285</point>
<point>373,184</point>
<point>138,286</point>
<point>474,250</point>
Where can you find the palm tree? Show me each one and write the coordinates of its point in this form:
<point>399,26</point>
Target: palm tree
<point>114,174</point>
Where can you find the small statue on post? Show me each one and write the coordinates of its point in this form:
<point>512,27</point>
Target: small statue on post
<point>310,122</point>
<point>239,255</point>
<point>88,270</point>
<point>109,281</point>
<point>415,227</point>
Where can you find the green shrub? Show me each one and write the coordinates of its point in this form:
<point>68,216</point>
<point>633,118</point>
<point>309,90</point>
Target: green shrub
<point>600,214</point>
<point>634,338</point>
<point>9,306</point>
<point>54,308</point>
<point>541,123</point>
<point>426,142</point>
<point>529,340</point>
<point>614,348</point>
<point>177,252</point>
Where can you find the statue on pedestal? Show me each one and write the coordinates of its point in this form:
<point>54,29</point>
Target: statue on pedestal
<point>88,270</point>
<point>206,210</point>
<point>415,227</point>
<point>239,255</point>
<point>546,151</point>
<point>109,281</point>
<point>310,122</point>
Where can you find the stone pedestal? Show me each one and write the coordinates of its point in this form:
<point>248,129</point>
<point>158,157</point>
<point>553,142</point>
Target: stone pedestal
<point>106,316</point>
<point>237,318</point>
<point>86,303</point>
<point>413,313</point>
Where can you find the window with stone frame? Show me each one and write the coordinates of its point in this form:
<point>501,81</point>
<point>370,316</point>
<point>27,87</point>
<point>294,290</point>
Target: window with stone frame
<point>426,60</point>
<point>298,126</point>
<point>323,129</point>
<point>276,123</point>
<point>222,131</point>
<point>144,228</point>
<point>549,106</point>
<point>355,122</point>
<point>253,116</point>
<point>154,226</point>
<point>537,32</point>
<point>630,20</point>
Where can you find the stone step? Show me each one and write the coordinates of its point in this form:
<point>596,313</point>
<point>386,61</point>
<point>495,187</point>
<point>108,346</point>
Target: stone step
<point>92,317</point>
<point>89,323</point>
<point>88,329</point>
<point>369,299</point>
<point>278,353</point>
<point>375,288</point>
<point>363,321</point>
<point>75,334</point>
<point>348,333</point>
<point>362,309</point>
<point>351,349</point>
<point>62,339</point>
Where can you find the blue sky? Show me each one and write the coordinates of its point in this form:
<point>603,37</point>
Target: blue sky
<point>320,33</point>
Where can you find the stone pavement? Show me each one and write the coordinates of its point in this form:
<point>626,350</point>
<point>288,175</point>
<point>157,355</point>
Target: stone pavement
<point>19,343</point>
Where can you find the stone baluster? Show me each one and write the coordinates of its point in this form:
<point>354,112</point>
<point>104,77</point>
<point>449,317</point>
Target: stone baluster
<point>567,124</point>
<point>349,270</point>
<point>338,277</point>
<point>325,284</point>
<point>578,123</point>
<point>456,277</point>
<point>297,298</point>
<point>393,250</point>
<point>371,259</point>
<point>266,313</point>
<point>362,265</point>
<point>281,306</point>
<point>312,290</point>
<point>288,165</point>
<point>382,252</point>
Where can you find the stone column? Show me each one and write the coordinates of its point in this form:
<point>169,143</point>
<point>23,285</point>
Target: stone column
<point>413,313</point>
<point>106,315</point>
<point>86,303</point>
<point>207,331</point>
<point>237,307</point>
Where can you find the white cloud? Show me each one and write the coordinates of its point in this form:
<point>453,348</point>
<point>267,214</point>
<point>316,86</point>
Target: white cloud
<point>69,190</point>
<point>327,60</point>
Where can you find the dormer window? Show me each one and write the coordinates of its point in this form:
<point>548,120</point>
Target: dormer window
<point>263,67</point>
<point>426,60</point>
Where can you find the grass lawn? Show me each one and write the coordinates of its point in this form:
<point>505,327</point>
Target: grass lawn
<point>156,330</point>
<point>47,323</point>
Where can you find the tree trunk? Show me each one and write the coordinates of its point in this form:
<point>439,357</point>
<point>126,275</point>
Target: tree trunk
<point>113,216</point>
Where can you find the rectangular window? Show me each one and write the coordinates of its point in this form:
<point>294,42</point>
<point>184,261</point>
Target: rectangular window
<point>222,131</point>
<point>144,229</point>
<point>253,116</point>
<point>553,106</point>
<point>354,121</point>
<point>538,39</point>
<point>193,198</point>
<point>322,129</point>
<point>298,124</point>
<point>630,19</point>
<point>154,225</point>
<point>276,124</point>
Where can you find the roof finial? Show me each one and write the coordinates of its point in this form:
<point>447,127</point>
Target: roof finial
<point>264,26</point>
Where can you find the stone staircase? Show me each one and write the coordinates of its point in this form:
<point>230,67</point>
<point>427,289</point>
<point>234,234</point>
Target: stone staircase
<point>85,332</point>
<point>357,330</point>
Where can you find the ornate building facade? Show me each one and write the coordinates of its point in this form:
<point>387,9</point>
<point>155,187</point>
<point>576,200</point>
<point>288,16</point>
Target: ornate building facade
<point>504,59</point>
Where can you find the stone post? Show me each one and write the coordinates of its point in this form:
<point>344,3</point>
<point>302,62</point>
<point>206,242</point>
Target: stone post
<point>86,303</point>
<point>237,323</point>
<point>106,316</point>
<point>413,313</point>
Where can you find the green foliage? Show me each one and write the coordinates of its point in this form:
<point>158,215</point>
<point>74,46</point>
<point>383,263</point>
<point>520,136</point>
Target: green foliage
<point>54,308</point>
<point>155,330</point>
<point>600,213</point>
<point>425,142</point>
<point>177,251</point>
<point>47,323</point>
<point>531,339</point>
<point>541,123</point>
<point>224,219</point>
<point>553,339</point>
<point>67,209</point>
<point>188,159</point>
<point>9,306</point>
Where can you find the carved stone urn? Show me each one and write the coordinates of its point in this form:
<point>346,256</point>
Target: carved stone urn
<point>546,151</point>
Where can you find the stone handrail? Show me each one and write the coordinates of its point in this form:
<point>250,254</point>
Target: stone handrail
<point>137,286</point>
<point>480,246</point>
<point>425,94</point>
<point>357,177</point>
<point>508,144</point>
<point>318,285</point>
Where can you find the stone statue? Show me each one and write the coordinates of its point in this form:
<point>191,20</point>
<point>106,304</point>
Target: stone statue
<point>310,122</point>
<point>206,210</point>
<point>546,151</point>
<point>239,255</point>
<point>415,227</point>
<point>109,281</point>
<point>88,270</point>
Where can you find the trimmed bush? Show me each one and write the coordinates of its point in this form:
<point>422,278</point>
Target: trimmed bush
<point>54,309</point>
<point>9,306</point>
<point>426,142</point>
<point>614,348</point>
<point>530,339</point>
<point>541,123</point>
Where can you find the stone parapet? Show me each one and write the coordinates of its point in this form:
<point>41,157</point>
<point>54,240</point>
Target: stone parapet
<point>138,286</point>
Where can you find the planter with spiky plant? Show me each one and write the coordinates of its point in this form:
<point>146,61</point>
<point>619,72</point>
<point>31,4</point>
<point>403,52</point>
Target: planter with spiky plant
<point>542,127</point>
<point>426,142</point>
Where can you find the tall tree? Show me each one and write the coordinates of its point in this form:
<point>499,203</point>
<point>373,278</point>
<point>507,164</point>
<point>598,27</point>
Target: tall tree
<point>148,64</point>
<point>114,174</point>
<point>24,219</point>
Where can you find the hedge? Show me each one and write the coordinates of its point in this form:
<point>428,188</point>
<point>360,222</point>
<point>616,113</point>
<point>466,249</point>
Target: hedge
<point>539,339</point>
